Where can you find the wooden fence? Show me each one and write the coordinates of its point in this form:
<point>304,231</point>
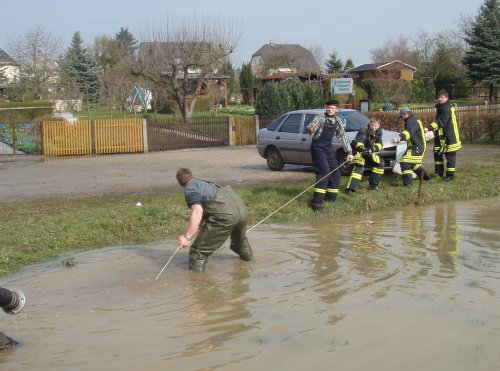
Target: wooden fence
<point>123,136</point>
<point>475,122</point>
<point>199,133</point>
<point>245,130</point>
<point>62,138</point>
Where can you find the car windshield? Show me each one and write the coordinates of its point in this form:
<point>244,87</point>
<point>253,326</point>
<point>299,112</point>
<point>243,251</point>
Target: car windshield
<point>353,120</point>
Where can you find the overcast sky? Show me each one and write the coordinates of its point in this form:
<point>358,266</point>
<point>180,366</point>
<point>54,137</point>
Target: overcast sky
<point>353,30</point>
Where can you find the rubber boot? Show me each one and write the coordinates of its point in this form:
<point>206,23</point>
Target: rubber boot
<point>438,170</point>
<point>246,255</point>
<point>318,200</point>
<point>331,196</point>
<point>197,265</point>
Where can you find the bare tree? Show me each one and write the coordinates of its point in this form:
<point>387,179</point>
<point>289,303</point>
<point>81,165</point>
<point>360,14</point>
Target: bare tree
<point>464,23</point>
<point>318,53</point>
<point>37,52</point>
<point>215,95</point>
<point>179,55</point>
<point>398,49</point>
<point>439,59</point>
<point>424,45</point>
<point>390,87</point>
<point>118,86</point>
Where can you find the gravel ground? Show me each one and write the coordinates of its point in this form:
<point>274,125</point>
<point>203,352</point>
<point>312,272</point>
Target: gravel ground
<point>32,177</point>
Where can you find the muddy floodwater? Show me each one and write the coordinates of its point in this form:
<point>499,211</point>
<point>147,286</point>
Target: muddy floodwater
<point>416,289</point>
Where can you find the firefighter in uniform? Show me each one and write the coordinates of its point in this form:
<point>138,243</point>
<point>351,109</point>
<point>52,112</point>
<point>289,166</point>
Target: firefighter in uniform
<point>322,128</point>
<point>446,137</point>
<point>216,214</point>
<point>413,134</point>
<point>368,141</point>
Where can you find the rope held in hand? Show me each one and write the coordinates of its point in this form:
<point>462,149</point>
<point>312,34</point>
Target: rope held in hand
<point>267,217</point>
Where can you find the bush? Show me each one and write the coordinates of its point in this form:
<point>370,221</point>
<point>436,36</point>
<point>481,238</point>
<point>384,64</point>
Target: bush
<point>387,90</point>
<point>474,125</point>
<point>278,98</point>
<point>238,110</point>
<point>25,111</point>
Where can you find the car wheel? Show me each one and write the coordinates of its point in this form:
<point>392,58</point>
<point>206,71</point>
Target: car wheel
<point>274,159</point>
<point>345,169</point>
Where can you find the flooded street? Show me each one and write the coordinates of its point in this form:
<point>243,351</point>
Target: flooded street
<point>416,289</point>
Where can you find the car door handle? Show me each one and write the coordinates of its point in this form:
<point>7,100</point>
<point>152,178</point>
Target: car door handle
<point>277,137</point>
<point>304,139</point>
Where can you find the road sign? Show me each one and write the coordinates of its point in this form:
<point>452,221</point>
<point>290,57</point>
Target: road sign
<point>341,86</point>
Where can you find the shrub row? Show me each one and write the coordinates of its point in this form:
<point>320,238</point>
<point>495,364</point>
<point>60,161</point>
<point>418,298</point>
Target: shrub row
<point>15,112</point>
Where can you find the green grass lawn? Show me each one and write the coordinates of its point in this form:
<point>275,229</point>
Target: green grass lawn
<point>39,230</point>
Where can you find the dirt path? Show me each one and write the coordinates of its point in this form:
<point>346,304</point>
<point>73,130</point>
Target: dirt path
<point>24,177</point>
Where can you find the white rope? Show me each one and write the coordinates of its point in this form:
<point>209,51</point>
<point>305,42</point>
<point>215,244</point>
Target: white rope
<point>267,217</point>
<point>300,194</point>
<point>293,199</point>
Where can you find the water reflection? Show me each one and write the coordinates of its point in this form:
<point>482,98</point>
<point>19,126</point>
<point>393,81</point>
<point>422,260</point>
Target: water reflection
<point>447,238</point>
<point>393,290</point>
<point>218,311</point>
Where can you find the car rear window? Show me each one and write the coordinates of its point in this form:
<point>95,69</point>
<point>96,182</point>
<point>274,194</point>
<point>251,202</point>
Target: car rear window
<point>275,124</point>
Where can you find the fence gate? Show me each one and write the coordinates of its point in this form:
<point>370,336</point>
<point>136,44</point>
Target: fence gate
<point>62,138</point>
<point>123,136</point>
<point>245,131</point>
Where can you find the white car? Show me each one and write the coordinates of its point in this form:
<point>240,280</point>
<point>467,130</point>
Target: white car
<point>287,141</point>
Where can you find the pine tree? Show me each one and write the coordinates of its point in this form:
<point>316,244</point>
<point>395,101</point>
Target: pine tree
<point>227,69</point>
<point>348,64</point>
<point>127,44</point>
<point>334,63</point>
<point>246,83</point>
<point>81,71</point>
<point>483,58</point>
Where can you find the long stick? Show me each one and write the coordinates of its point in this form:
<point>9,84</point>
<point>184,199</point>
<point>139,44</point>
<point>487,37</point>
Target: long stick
<point>165,266</point>
<point>420,185</point>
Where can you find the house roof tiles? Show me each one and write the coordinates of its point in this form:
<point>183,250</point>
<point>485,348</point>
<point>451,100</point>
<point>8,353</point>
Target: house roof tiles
<point>294,55</point>
<point>376,66</point>
<point>6,59</point>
